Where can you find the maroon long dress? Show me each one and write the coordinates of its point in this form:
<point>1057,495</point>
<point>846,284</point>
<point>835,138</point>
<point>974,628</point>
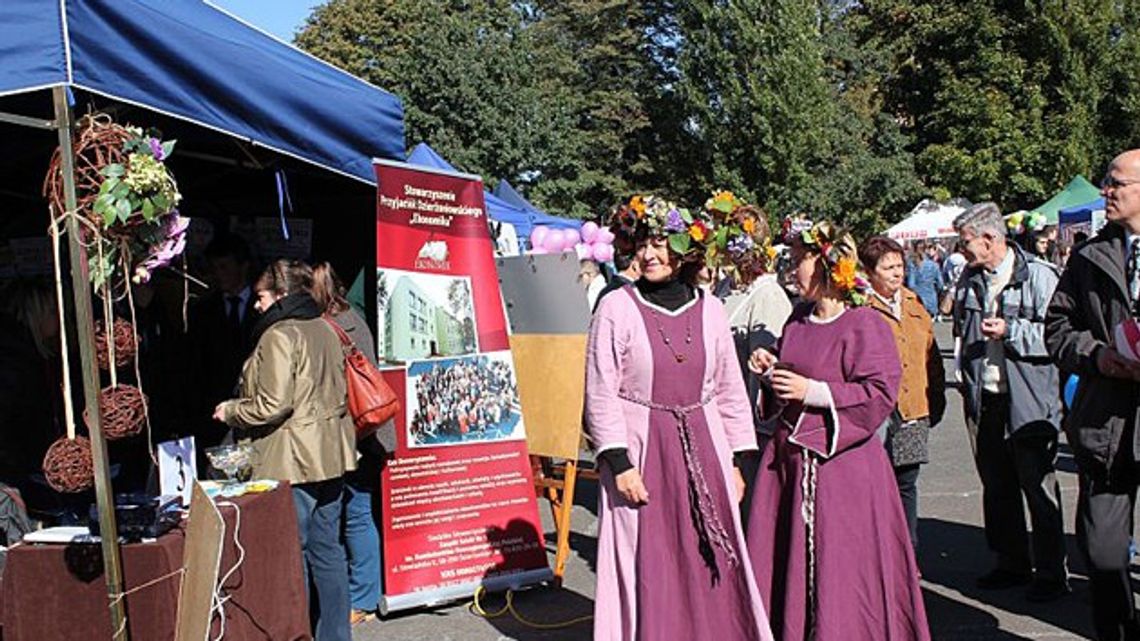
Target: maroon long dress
<point>840,562</point>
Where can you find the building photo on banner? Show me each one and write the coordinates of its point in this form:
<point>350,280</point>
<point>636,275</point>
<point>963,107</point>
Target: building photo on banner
<point>424,316</point>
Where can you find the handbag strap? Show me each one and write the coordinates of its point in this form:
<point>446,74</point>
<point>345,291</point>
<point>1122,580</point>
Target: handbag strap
<point>345,342</point>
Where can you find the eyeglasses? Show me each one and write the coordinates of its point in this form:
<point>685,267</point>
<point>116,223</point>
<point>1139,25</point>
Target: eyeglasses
<point>1114,183</point>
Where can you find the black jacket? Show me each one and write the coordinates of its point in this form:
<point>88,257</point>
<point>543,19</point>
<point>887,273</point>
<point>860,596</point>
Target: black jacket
<point>1090,301</point>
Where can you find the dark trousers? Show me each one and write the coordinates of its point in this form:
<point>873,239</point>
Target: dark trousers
<point>319,514</point>
<point>1104,529</point>
<point>907,478</point>
<point>1021,465</point>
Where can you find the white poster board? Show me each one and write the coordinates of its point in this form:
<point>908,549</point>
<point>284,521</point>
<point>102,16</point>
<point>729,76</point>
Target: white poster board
<point>177,468</point>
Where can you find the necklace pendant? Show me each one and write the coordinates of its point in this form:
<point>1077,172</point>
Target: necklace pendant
<point>680,357</point>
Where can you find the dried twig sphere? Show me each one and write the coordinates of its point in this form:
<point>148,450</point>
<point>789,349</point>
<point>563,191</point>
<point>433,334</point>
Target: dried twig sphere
<point>126,343</point>
<point>99,143</point>
<point>122,411</point>
<point>67,465</point>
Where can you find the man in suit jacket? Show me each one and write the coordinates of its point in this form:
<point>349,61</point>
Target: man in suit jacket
<point>220,327</point>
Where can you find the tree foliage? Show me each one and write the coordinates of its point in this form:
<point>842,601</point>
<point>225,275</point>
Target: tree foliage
<point>846,109</point>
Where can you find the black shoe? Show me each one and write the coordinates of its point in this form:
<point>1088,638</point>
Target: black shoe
<point>1044,591</point>
<point>1001,579</point>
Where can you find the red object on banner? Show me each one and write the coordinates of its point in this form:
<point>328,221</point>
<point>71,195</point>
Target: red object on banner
<point>458,499</point>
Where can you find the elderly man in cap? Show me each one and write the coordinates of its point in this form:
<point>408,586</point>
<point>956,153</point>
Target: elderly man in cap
<point>1100,289</point>
<point>1013,408</point>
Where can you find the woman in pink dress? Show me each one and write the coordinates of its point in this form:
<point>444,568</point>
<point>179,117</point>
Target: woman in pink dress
<point>826,532</point>
<point>667,412</point>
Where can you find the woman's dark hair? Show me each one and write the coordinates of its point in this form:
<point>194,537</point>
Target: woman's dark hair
<point>873,249</point>
<point>284,277</point>
<point>328,290</point>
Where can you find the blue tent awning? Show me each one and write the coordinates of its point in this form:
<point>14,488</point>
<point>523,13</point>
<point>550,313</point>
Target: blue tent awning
<point>193,61</point>
<point>498,209</point>
<point>1080,213</point>
<point>506,192</point>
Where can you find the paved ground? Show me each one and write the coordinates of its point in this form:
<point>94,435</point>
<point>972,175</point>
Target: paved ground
<point>953,553</point>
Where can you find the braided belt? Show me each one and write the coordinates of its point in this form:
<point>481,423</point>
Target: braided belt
<point>702,509</point>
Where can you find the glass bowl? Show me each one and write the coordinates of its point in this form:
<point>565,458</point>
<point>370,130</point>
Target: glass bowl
<point>235,461</point>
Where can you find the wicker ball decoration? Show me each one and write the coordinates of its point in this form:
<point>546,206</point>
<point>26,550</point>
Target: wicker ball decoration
<point>126,343</point>
<point>99,143</point>
<point>122,409</point>
<point>67,465</point>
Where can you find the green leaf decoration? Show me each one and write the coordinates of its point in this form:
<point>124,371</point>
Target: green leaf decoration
<point>167,149</point>
<point>123,209</point>
<point>686,216</point>
<point>680,242</point>
<point>114,170</point>
<point>721,236</point>
<point>121,190</point>
<point>148,210</point>
<point>723,206</point>
<point>104,206</point>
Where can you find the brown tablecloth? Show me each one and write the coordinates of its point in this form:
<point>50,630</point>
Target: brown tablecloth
<point>55,592</point>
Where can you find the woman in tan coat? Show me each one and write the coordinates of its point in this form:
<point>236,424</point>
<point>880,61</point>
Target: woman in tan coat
<point>294,411</point>
<point>922,391</point>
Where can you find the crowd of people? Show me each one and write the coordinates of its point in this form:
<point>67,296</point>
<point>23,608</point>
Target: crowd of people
<point>466,400</point>
<point>759,438</point>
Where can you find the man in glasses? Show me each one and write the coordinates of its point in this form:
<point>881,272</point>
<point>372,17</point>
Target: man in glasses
<point>1098,290</point>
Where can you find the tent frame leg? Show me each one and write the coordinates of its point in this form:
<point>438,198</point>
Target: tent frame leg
<point>85,329</point>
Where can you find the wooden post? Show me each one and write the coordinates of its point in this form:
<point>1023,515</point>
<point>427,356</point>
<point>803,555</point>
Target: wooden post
<point>85,330</point>
<point>556,483</point>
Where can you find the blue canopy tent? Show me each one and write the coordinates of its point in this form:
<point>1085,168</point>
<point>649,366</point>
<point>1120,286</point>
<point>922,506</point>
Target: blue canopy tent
<point>522,217</point>
<point>507,193</point>
<point>210,79</point>
<point>497,209</point>
<point>1080,213</point>
<point>195,62</point>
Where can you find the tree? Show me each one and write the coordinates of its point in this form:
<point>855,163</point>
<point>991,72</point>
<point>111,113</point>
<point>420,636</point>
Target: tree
<point>1001,98</point>
<point>477,79</point>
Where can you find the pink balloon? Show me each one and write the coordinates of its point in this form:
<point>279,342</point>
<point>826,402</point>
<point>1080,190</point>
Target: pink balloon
<point>584,251</point>
<point>604,236</point>
<point>589,231</point>
<point>553,240</point>
<point>539,251</point>
<point>570,237</point>
<point>603,253</point>
<point>538,235</point>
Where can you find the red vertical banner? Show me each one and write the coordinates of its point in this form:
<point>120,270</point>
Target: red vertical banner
<point>458,499</point>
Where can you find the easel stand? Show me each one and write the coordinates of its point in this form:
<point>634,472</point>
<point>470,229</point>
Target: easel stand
<point>555,480</point>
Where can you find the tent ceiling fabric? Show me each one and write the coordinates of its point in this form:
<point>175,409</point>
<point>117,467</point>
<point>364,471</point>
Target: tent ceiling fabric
<point>193,61</point>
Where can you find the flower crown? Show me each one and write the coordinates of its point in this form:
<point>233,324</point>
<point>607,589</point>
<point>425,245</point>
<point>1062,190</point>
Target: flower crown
<point>741,246</point>
<point>840,259</point>
<point>687,232</point>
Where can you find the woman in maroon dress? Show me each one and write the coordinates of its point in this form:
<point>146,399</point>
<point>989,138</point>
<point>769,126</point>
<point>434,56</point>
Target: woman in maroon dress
<point>826,534</point>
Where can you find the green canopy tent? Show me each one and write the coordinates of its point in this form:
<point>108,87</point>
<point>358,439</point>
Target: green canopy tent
<point>1078,192</point>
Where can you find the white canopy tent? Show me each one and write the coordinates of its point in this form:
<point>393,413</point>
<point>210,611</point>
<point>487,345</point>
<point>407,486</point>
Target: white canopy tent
<point>928,219</point>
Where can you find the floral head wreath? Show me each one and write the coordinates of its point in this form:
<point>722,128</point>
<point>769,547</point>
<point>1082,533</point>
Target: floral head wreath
<point>646,216</point>
<point>793,227</point>
<point>741,245</point>
<point>840,258</point>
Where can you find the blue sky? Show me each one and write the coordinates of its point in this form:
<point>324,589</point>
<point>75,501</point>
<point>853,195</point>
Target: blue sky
<point>282,18</point>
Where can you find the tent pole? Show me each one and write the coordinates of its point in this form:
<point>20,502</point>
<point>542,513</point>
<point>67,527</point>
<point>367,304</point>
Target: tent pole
<point>85,328</point>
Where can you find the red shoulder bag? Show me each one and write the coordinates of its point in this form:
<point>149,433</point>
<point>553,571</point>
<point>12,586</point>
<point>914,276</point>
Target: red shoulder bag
<point>371,401</point>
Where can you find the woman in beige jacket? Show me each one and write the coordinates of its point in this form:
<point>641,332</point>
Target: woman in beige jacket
<point>293,409</point>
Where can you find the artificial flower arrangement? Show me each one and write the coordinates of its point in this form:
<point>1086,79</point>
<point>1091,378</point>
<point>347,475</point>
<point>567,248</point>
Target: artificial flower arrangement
<point>687,232</point>
<point>137,206</point>
<point>840,258</point>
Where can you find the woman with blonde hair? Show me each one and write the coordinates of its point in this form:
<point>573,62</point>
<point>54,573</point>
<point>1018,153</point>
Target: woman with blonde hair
<point>293,409</point>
